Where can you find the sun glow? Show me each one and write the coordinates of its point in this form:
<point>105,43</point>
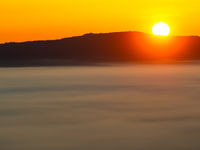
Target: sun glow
<point>161,29</point>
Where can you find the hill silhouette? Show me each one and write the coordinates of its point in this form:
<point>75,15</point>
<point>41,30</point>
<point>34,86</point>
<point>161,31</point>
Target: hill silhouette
<point>92,48</point>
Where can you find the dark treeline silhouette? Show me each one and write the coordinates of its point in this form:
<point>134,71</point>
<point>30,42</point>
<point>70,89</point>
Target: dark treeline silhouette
<point>101,48</point>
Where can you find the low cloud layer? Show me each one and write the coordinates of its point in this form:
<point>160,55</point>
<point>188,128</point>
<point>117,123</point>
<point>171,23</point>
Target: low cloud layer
<point>93,108</point>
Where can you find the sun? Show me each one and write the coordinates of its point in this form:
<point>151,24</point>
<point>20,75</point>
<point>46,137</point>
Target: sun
<point>161,29</point>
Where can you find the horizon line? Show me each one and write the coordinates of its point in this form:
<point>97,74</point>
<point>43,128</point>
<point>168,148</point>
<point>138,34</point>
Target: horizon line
<point>95,33</point>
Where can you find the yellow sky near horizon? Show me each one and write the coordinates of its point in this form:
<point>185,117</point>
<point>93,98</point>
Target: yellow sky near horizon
<point>25,20</point>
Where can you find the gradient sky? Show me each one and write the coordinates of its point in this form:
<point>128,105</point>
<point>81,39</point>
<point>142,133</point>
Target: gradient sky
<point>23,20</point>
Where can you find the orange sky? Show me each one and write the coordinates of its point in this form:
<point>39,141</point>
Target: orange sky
<point>23,20</point>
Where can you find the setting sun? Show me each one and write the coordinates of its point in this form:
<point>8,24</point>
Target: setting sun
<point>161,28</point>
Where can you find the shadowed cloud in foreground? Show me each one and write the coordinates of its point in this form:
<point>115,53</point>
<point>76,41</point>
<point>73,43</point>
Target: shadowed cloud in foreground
<point>138,107</point>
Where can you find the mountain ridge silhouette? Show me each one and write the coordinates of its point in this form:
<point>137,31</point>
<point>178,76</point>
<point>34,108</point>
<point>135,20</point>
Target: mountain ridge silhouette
<point>91,48</point>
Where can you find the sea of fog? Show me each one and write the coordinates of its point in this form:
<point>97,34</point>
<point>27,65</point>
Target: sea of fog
<point>127,107</point>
